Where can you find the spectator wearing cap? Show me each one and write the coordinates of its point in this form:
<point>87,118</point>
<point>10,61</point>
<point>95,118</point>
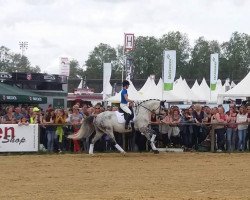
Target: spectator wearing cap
<point>35,116</point>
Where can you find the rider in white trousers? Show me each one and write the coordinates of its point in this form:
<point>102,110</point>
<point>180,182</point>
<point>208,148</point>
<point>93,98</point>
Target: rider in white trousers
<point>124,102</point>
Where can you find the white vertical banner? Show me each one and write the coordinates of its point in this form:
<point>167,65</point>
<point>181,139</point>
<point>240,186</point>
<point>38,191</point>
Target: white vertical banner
<point>169,69</point>
<point>214,68</point>
<point>106,78</point>
<point>129,39</point>
<point>64,66</point>
<point>129,70</point>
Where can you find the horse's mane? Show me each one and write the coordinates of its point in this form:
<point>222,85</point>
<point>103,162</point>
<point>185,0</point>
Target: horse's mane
<point>144,101</point>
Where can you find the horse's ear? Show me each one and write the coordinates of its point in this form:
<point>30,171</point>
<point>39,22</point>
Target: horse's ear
<point>162,104</point>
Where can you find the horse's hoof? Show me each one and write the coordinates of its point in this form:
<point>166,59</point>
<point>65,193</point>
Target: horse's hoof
<point>123,153</point>
<point>156,151</point>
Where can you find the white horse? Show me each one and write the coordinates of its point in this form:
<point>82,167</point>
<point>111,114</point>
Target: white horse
<point>107,122</point>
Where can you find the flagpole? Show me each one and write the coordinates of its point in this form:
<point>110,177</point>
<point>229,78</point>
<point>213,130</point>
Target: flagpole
<point>162,76</point>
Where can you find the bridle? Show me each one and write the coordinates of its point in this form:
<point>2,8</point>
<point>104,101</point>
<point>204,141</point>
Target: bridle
<point>138,105</point>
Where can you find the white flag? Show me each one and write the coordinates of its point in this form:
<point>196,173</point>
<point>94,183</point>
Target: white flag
<point>106,78</point>
<point>169,69</point>
<point>214,68</point>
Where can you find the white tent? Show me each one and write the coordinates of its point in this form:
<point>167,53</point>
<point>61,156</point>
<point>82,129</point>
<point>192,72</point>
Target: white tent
<point>190,95</point>
<point>181,92</point>
<point>232,84</point>
<point>148,86</point>
<point>226,86</point>
<point>132,93</point>
<point>196,90</point>
<point>241,90</point>
<point>164,95</point>
<point>204,90</point>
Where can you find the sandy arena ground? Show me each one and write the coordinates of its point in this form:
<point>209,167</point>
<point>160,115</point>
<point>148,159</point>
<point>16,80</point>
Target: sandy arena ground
<point>134,176</point>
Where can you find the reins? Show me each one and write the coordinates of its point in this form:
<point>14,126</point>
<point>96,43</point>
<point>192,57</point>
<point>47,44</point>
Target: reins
<point>137,106</point>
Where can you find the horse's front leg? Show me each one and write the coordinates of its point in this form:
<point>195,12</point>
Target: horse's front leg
<point>150,134</point>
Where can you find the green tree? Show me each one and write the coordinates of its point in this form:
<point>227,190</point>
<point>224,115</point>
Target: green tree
<point>236,56</point>
<point>103,53</point>
<point>75,70</point>
<point>179,42</point>
<point>200,58</point>
<point>147,57</point>
<point>11,62</point>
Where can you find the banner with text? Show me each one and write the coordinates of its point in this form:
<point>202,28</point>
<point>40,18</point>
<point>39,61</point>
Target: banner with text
<point>214,68</point>
<point>129,41</point>
<point>169,69</point>
<point>64,66</point>
<point>15,138</point>
<point>107,68</point>
<point>129,69</point>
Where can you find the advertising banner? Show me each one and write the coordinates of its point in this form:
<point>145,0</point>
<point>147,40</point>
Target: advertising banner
<point>64,66</point>
<point>214,68</point>
<point>15,138</point>
<point>129,69</point>
<point>169,69</point>
<point>106,78</point>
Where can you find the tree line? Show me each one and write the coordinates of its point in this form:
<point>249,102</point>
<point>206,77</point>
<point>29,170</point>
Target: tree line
<point>14,62</point>
<point>191,62</point>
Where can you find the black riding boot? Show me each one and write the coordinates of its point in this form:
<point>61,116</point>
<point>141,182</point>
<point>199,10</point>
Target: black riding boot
<point>127,120</point>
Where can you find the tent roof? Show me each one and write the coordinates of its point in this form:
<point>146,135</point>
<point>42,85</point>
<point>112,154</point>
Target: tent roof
<point>240,90</point>
<point>10,94</point>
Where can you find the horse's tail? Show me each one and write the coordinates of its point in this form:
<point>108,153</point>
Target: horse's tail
<point>86,130</point>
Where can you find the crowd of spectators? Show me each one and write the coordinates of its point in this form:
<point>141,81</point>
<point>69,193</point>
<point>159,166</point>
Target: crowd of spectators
<point>54,124</point>
<point>188,128</point>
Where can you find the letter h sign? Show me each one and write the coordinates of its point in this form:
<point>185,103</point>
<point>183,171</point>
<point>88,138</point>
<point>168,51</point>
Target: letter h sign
<point>128,42</point>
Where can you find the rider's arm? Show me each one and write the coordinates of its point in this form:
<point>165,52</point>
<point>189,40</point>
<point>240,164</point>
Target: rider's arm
<point>127,99</point>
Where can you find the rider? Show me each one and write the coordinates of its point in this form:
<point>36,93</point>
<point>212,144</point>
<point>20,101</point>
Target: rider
<point>124,102</point>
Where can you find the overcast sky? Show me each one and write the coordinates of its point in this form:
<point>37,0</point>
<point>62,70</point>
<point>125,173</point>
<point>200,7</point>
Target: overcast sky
<point>55,28</point>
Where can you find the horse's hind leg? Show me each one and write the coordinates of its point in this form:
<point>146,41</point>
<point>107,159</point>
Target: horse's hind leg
<point>113,141</point>
<point>97,136</point>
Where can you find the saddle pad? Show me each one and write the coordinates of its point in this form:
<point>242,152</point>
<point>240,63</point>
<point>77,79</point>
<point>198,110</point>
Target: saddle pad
<point>120,117</point>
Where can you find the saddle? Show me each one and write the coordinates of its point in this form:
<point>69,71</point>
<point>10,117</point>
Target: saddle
<point>125,115</point>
